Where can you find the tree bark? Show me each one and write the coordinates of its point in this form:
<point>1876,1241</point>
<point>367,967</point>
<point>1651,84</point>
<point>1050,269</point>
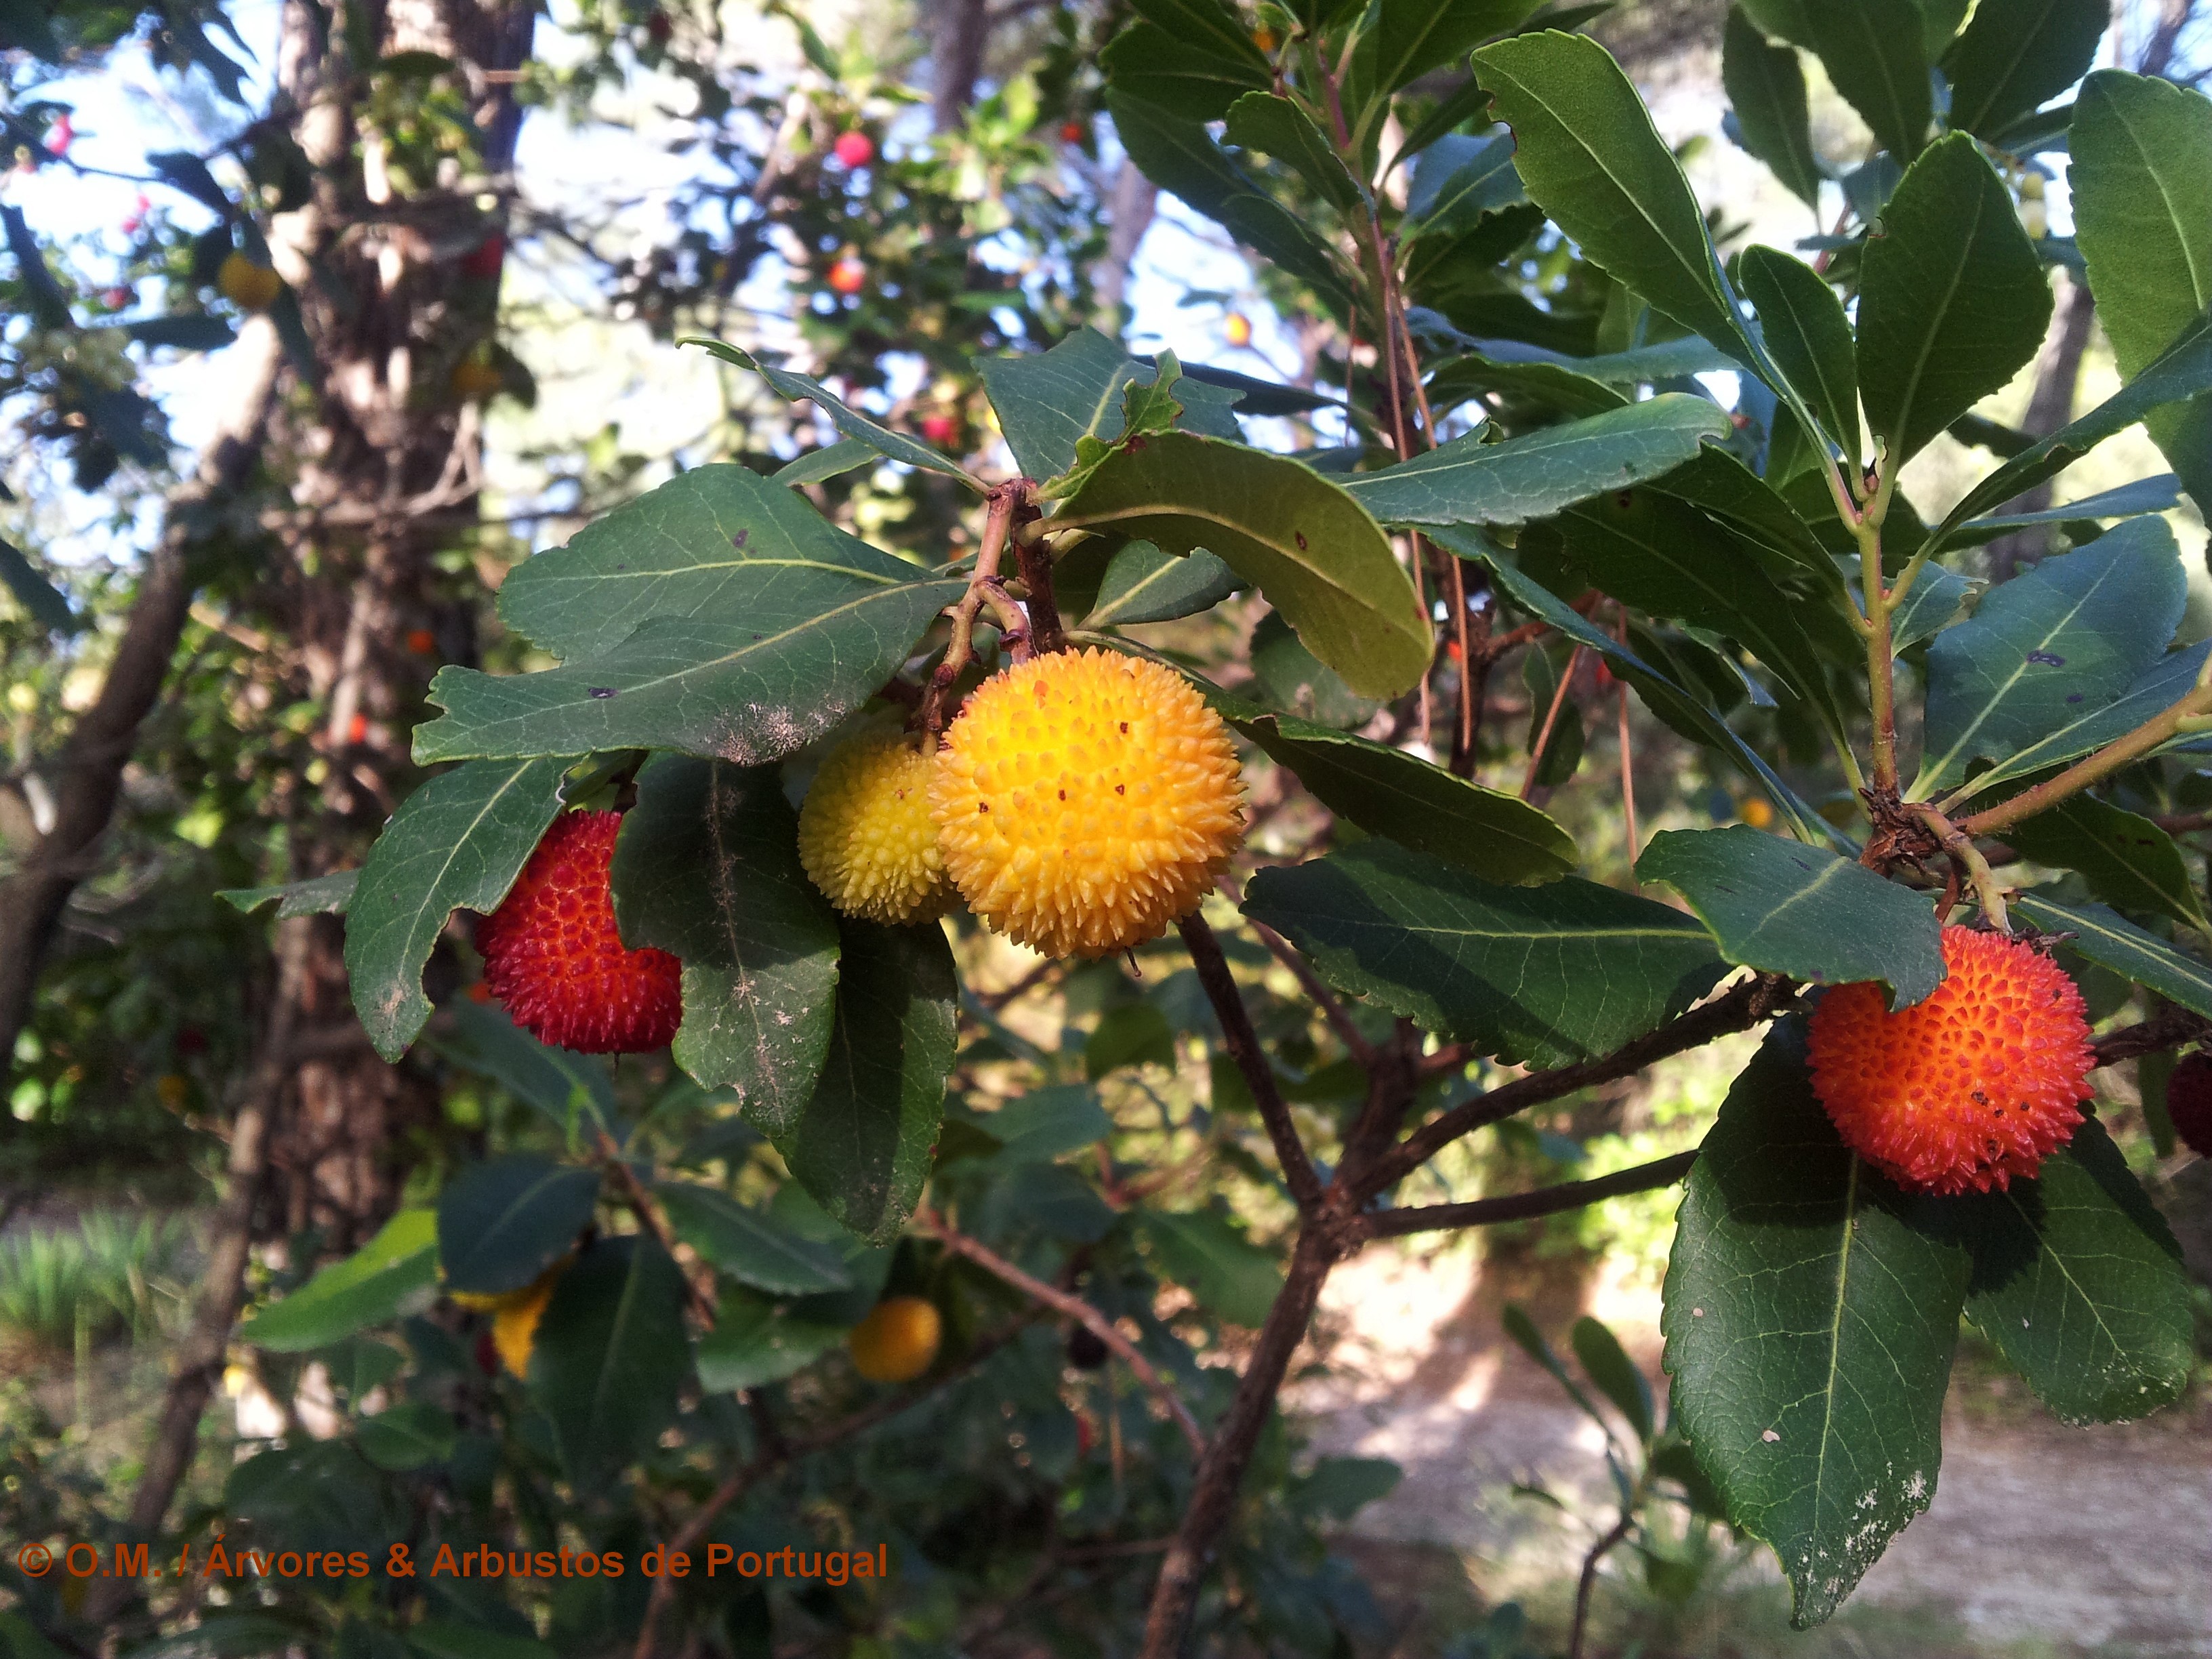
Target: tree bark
<point>964,27</point>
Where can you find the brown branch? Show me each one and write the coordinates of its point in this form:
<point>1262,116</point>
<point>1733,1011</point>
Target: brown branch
<point>2168,1028</point>
<point>649,1217</point>
<point>1243,1045</point>
<point>1525,1207</point>
<point>1588,1582</point>
<point>1750,1003</point>
<point>1332,1008</point>
<point>1550,719</point>
<point>1075,1308</point>
<point>2121,751</point>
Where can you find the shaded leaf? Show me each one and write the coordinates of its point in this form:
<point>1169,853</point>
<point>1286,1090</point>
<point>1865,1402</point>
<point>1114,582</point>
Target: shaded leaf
<point>1953,300</point>
<point>2078,1282</point>
<point>1616,1375</point>
<point>455,843</point>
<point>389,1275</point>
<point>2126,858</point>
<point>1207,1252</point>
<point>2158,688</point>
<point>1132,1034</point>
<point>1308,545</point>
<point>610,1357</point>
<point>1810,1316</point>
<point>572,1091</point>
<point>1785,907</point>
<point>1538,976</point>
<point>2111,941</point>
<point>1041,1124</point>
<point>1191,57</point>
<point>862,428</point>
<point>38,596</point>
<point>1811,339</point>
<point>318,895</point>
<point>1273,125</point>
<point>757,1342</point>
<point>861,1147</point>
<point>185,331</point>
<point>502,1224</point>
<point>412,1434</point>
<point>749,1245</point>
<point>1469,481</point>
<point>1766,84</point>
<point>2017,53</point>
<point>1144,585</point>
<point>706,868</point>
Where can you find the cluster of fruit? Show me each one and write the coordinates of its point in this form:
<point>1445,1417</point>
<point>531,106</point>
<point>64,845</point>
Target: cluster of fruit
<point>1081,803</point>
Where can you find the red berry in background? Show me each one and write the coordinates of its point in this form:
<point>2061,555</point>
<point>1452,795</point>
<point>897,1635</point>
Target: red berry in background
<point>1085,1437</point>
<point>1074,132</point>
<point>553,956</point>
<point>659,28</point>
<point>116,298</point>
<point>940,430</point>
<point>421,642</point>
<point>2188,1103</point>
<point>848,275</point>
<point>60,135</point>
<point>357,729</point>
<point>482,261</point>
<point>191,1041</point>
<point>854,149</point>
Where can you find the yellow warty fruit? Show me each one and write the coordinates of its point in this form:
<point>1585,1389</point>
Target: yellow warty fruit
<point>1086,800</point>
<point>864,833</point>
<point>898,1339</point>
<point>515,1327</point>
<point>244,283</point>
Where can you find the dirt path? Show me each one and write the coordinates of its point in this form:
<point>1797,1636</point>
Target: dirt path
<point>2041,1538</point>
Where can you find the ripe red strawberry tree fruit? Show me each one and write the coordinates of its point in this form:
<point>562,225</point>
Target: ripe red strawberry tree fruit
<point>1962,829</point>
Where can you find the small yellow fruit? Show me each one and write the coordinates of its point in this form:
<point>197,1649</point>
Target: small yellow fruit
<point>474,380</point>
<point>898,1339</point>
<point>1758,812</point>
<point>865,836</point>
<point>1086,800</point>
<point>492,1302</point>
<point>2031,186</point>
<point>172,1090</point>
<point>244,281</point>
<point>2035,219</point>
<point>515,1327</point>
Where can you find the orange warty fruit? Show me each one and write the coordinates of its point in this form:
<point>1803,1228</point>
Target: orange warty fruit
<point>553,957</point>
<point>898,1339</point>
<point>1964,1091</point>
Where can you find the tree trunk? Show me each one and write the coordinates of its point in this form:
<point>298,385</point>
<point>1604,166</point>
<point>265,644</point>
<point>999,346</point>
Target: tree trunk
<point>955,60</point>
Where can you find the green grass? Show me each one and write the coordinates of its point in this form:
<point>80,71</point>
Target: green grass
<point>109,1276</point>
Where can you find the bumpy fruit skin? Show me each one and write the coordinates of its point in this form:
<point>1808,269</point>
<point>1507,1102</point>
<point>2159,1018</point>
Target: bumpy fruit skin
<point>898,1339</point>
<point>1086,800</point>
<point>1965,1091</point>
<point>2188,1103</point>
<point>243,282</point>
<point>865,836</point>
<point>515,1327</point>
<point>553,957</point>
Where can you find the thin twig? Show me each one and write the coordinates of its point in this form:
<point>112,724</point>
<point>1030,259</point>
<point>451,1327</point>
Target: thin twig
<point>1589,1581</point>
<point>649,1217</point>
<point>1333,1009</point>
<point>1550,719</point>
<point>1243,1045</point>
<point>1525,1207</point>
<point>932,1226</point>
<point>1968,861</point>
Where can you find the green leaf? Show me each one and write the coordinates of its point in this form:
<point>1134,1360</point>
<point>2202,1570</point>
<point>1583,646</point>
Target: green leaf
<point>1810,1316</point>
<point>1953,300</point>
<point>862,428</point>
<point>1469,481</point>
<point>2078,1282</point>
<point>1616,1375</point>
<point>1591,159</point>
<point>1409,38</point>
<point>392,1272</point>
<point>455,843</point>
<point>1273,125</point>
<point>318,895</point>
<point>1308,545</point>
<point>2126,858</point>
<point>572,1091</point>
<point>1421,806</point>
<point>748,1244</point>
<point>183,331</point>
<point>1207,1252</point>
<point>1131,1034</point>
<point>39,598</point>
<point>1191,57</point>
<point>1811,340</point>
<point>2141,182</point>
<point>610,1357</point>
<point>706,868</point>
<point>1876,55</point>
<point>1456,182</point>
<point>2159,493</point>
<point>1049,401</point>
<point>775,670</point>
<point>1531,1341</point>
<point>451,1638</point>
<point>1553,384</point>
<point>1290,677</point>
<point>1669,360</point>
<point>1785,907</point>
<point>2181,371</point>
<point>1722,487</point>
<point>2016,54</point>
<point>1558,755</point>
<point>706,544</point>
<point>1931,606</point>
<point>1341,1487</point>
<point>502,1224</point>
<point>2068,636</point>
<point>1144,584</point>
<point>414,1434</point>
<point>830,461</point>
<point>1535,976</point>
<point>2159,689</point>
<point>1766,84</point>
<point>861,1146</point>
<point>1665,557</point>
<point>1042,1124</point>
<point>2110,941</point>
<point>757,1341</point>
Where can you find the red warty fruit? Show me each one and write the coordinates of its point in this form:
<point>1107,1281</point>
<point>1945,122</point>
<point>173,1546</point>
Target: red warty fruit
<point>552,955</point>
<point>2188,1103</point>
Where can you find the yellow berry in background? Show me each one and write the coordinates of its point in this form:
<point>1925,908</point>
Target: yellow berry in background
<point>172,1090</point>
<point>865,836</point>
<point>1086,801</point>
<point>2035,219</point>
<point>514,1327</point>
<point>246,282</point>
<point>2031,186</point>
<point>1237,329</point>
<point>474,380</point>
<point>898,1340</point>
<point>1758,812</point>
